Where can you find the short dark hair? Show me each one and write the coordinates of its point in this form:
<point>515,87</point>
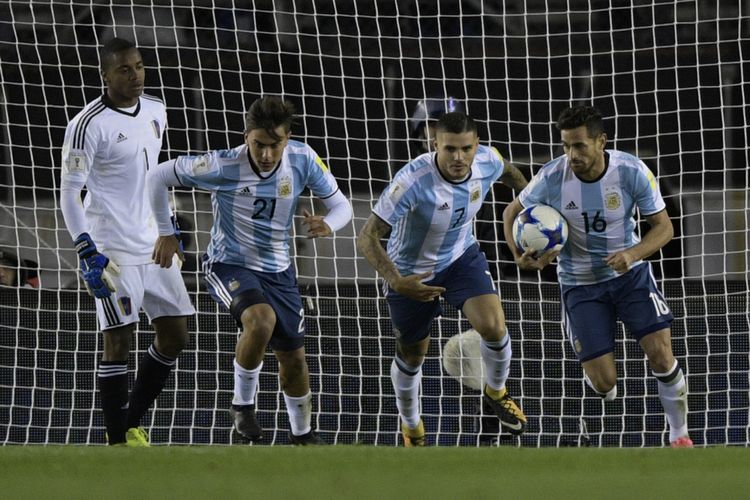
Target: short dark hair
<point>577,116</point>
<point>456,122</point>
<point>112,47</point>
<point>25,269</point>
<point>269,113</point>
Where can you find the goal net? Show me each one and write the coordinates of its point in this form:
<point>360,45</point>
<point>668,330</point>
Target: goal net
<point>671,80</point>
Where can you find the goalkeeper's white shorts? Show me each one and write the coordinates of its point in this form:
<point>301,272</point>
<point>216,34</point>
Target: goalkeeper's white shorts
<point>159,291</point>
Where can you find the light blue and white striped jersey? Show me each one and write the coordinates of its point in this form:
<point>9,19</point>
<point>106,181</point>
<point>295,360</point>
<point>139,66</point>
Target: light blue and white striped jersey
<point>253,212</point>
<point>431,217</point>
<point>600,213</point>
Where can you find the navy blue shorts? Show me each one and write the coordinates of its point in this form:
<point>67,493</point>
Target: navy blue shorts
<point>591,311</point>
<point>467,277</point>
<point>279,290</point>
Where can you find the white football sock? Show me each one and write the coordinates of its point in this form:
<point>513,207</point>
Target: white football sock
<point>299,410</point>
<point>496,357</point>
<point>673,395</point>
<point>606,396</point>
<point>245,384</point>
<point>406,382</point>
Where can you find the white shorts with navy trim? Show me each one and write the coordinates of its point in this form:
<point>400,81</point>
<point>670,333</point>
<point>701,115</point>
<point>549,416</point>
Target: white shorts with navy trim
<point>159,291</point>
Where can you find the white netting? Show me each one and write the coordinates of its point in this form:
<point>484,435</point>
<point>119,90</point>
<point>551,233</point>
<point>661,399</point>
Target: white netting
<point>671,78</point>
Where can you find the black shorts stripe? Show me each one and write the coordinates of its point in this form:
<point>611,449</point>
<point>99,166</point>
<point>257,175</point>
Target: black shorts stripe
<point>79,136</point>
<point>110,312</point>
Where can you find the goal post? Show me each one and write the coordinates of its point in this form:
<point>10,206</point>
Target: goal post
<point>670,79</point>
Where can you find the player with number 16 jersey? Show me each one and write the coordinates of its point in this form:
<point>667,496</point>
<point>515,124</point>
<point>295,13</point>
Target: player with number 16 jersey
<point>602,272</point>
<point>600,214</point>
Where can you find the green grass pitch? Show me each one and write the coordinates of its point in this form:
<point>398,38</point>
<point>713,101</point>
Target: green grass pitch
<point>366,472</point>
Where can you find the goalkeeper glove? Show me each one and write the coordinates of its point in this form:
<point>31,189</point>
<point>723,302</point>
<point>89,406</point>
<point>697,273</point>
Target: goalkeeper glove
<point>178,235</point>
<point>97,270</point>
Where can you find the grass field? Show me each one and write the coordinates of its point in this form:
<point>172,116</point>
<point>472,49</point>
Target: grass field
<point>364,472</point>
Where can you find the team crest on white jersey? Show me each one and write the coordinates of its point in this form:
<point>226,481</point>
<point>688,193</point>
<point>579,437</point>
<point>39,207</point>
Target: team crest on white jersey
<point>285,187</point>
<point>612,201</point>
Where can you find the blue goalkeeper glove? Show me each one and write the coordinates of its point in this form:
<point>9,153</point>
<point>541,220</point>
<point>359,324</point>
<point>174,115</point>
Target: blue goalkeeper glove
<point>177,234</point>
<point>97,270</point>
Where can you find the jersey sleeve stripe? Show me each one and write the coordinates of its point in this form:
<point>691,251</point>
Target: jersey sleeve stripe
<point>152,98</point>
<point>176,176</point>
<point>79,135</point>
<point>654,213</point>
<point>326,197</point>
<point>381,218</point>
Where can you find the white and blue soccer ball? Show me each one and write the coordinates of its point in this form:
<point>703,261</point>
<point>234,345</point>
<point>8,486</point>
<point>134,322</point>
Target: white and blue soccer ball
<point>540,228</point>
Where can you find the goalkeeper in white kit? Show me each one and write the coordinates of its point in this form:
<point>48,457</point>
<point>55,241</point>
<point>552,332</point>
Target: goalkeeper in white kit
<point>255,188</point>
<point>109,146</point>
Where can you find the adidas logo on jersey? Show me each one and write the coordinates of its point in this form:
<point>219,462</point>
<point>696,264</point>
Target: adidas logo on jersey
<point>571,206</point>
<point>121,137</point>
<point>445,206</point>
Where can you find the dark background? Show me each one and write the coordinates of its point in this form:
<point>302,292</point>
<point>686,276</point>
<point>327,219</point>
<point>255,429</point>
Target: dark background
<point>49,350</point>
<point>669,77</point>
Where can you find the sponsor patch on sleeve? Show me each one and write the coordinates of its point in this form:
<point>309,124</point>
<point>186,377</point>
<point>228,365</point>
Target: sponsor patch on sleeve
<point>76,161</point>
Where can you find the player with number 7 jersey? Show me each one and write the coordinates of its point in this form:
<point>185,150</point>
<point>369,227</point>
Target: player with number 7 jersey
<point>254,189</point>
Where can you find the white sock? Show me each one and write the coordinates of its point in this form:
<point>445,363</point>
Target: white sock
<point>299,410</point>
<point>606,396</point>
<point>245,384</point>
<point>496,357</point>
<point>406,382</point>
<point>673,395</point>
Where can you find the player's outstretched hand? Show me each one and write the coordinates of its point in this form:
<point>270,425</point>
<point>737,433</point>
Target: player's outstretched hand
<point>164,250</point>
<point>316,227</point>
<point>97,269</point>
<point>528,262</point>
<point>411,286</point>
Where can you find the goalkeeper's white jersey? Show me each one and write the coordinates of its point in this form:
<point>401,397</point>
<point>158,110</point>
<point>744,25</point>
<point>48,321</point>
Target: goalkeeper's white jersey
<point>109,151</point>
<point>253,211</point>
<point>432,217</point>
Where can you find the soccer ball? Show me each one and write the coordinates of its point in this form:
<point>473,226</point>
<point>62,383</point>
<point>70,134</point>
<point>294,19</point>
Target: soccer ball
<point>462,359</point>
<point>540,228</point>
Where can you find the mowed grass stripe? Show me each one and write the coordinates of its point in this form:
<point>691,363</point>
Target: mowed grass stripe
<point>364,472</point>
